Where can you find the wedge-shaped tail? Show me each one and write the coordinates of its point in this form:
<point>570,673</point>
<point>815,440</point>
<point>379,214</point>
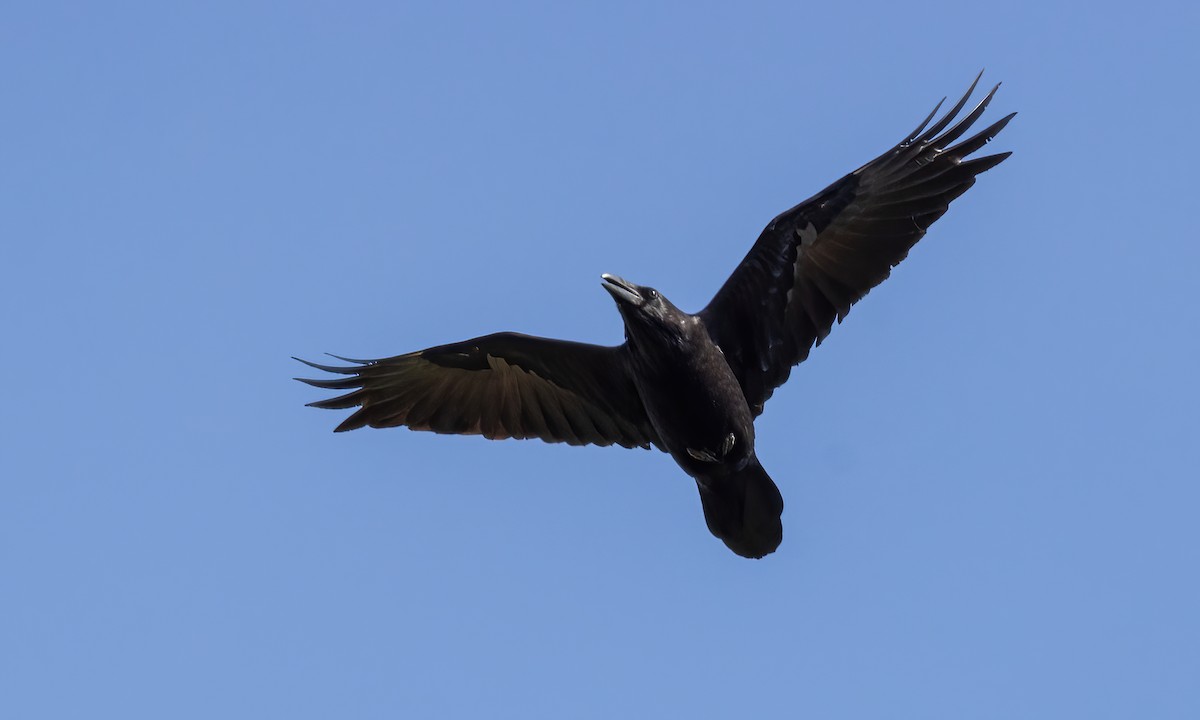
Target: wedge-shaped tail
<point>744,510</point>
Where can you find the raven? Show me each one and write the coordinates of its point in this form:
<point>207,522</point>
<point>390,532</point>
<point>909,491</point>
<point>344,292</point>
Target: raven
<point>691,385</point>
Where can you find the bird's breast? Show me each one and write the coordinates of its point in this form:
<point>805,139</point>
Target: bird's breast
<point>696,405</point>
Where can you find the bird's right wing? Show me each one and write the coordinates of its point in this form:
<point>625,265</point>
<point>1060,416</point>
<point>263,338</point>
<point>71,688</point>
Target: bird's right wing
<point>814,261</point>
<point>504,385</point>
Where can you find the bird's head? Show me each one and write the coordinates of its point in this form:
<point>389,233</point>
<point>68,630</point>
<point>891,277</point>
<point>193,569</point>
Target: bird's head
<point>647,314</point>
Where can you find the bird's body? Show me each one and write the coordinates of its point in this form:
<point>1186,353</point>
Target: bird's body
<point>691,384</point>
<point>690,395</point>
<point>701,416</point>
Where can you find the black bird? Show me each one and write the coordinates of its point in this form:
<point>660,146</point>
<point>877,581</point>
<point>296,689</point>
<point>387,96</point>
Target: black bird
<point>691,385</point>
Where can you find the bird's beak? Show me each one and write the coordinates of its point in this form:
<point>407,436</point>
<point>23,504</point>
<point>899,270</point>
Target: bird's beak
<point>622,291</point>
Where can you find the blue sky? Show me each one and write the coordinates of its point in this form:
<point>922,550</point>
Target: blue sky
<point>990,468</point>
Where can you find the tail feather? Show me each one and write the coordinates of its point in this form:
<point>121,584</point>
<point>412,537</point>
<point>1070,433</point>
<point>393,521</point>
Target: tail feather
<point>744,510</point>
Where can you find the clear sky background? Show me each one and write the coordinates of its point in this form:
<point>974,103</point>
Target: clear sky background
<point>990,469</point>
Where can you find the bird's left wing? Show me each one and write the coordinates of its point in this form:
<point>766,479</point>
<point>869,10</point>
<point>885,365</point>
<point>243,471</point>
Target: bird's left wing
<point>814,261</point>
<point>504,385</point>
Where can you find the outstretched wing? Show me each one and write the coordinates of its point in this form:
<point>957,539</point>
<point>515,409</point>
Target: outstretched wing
<point>814,261</point>
<point>499,386</point>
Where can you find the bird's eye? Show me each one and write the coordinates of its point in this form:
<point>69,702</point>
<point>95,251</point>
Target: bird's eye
<point>653,294</point>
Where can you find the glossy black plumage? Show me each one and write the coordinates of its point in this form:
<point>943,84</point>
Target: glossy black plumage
<point>691,385</point>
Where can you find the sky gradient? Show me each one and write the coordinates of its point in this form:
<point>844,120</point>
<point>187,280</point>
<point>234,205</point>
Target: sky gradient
<point>990,468</point>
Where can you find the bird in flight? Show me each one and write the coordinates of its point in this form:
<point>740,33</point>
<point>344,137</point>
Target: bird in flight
<point>691,384</point>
